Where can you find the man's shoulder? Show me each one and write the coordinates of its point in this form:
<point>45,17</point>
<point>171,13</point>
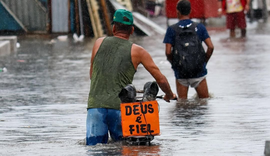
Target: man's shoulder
<point>99,40</point>
<point>136,47</point>
<point>174,24</point>
<point>137,50</point>
<point>181,23</point>
<point>201,27</point>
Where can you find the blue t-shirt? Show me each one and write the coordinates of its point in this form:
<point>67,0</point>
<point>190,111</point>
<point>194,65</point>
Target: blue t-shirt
<point>202,34</point>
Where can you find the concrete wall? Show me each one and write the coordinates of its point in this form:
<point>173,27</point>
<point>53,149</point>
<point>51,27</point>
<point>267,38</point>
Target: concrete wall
<point>30,14</point>
<point>4,48</point>
<point>60,16</point>
<point>9,42</point>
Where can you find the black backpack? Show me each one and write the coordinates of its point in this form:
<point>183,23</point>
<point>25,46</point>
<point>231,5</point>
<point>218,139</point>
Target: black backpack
<point>188,55</point>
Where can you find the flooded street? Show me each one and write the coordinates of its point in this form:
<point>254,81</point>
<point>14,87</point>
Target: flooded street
<point>43,99</point>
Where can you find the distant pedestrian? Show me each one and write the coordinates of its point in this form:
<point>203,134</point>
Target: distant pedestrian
<point>189,66</point>
<point>235,15</point>
<point>154,7</point>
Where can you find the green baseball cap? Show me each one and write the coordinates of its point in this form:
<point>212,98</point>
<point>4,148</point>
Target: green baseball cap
<point>123,16</point>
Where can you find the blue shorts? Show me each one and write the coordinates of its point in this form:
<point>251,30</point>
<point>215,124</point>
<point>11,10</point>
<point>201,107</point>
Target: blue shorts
<point>99,122</point>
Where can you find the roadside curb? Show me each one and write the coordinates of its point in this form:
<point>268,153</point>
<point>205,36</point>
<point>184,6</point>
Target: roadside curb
<point>13,42</point>
<point>4,48</point>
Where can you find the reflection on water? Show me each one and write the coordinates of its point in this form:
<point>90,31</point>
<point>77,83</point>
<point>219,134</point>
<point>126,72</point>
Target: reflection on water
<point>121,149</point>
<point>189,118</point>
<point>140,150</point>
<point>189,114</point>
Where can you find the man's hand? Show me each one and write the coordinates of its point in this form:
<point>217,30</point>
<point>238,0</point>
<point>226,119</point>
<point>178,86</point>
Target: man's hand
<point>168,98</point>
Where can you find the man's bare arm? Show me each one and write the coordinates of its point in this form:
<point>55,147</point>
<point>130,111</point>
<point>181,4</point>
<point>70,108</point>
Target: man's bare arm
<point>143,57</point>
<point>210,48</point>
<point>168,52</point>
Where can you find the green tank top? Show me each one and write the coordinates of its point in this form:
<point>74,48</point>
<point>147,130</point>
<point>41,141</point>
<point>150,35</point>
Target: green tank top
<point>112,70</point>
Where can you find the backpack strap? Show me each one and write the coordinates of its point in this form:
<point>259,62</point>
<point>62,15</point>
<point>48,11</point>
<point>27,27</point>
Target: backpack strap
<point>178,28</point>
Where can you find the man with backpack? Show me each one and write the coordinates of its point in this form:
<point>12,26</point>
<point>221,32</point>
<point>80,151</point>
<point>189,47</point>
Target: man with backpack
<point>185,52</point>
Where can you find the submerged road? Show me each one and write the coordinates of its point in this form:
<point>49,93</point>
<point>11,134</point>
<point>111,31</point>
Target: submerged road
<point>43,97</point>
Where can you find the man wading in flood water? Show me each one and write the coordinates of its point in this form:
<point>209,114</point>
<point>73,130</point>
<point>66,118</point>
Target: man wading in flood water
<point>185,52</point>
<point>114,62</point>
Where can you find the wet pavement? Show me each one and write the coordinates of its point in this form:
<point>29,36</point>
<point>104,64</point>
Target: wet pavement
<point>43,98</point>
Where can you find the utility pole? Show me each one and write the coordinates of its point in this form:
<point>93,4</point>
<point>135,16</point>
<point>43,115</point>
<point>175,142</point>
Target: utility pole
<point>49,27</point>
<point>77,17</point>
<point>106,17</point>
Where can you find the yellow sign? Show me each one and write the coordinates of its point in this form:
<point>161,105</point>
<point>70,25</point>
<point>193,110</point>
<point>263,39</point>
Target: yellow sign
<point>140,118</point>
